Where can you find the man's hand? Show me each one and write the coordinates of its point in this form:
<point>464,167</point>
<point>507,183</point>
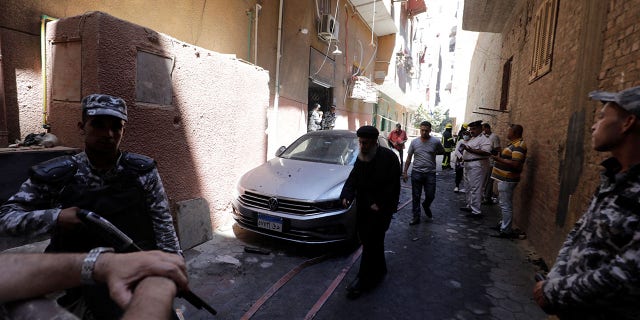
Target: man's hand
<point>346,203</point>
<point>538,297</point>
<point>405,177</point>
<point>121,272</point>
<point>374,207</point>
<point>152,299</point>
<point>67,219</point>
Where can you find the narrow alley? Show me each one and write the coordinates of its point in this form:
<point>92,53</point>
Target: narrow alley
<point>450,268</point>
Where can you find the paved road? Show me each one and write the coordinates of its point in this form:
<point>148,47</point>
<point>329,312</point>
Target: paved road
<point>449,268</point>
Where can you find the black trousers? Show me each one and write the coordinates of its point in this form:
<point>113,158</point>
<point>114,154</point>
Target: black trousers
<point>459,175</point>
<point>372,227</point>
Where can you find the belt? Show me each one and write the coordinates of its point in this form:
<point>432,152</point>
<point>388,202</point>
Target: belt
<point>475,159</point>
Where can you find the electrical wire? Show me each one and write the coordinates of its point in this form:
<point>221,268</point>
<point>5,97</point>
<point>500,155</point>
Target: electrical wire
<point>326,55</point>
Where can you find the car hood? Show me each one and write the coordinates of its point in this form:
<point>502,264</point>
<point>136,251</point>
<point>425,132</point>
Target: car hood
<point>296,179</point>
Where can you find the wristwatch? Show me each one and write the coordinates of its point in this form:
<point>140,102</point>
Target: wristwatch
<point>89,263</point>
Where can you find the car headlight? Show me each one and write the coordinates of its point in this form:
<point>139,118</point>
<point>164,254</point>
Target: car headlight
<point>330,205</point>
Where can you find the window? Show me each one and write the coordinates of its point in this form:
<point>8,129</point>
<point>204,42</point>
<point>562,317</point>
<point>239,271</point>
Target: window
<point>153,79</point>
<point>506,82</point>
<point>544,34</point>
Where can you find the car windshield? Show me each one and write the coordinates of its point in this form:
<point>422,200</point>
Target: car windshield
<point>335,149</point>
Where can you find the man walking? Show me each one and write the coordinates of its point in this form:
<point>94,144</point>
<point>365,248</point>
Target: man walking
<point>597,272</point>
<point>375,184</point>
<point>507,169</point>
<point>423,174</point>
<point>398,138</point>
<point>476,165</point>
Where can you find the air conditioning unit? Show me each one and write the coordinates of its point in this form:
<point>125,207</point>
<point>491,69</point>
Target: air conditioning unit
<point>328,28</point>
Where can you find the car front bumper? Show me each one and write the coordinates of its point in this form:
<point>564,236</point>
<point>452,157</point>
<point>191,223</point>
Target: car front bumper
<point>319,228</point>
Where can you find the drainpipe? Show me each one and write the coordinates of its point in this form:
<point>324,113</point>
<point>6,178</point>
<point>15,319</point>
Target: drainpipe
<point>250,14</point>
<point>4,130</point>
<point>43,58</point>
<point>255,38</point>
<point>276,98</point>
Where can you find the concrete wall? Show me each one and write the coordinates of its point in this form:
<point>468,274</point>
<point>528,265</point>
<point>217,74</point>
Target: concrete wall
<point>561,171</point>
<point>219,25</point>
<point>216,115</point>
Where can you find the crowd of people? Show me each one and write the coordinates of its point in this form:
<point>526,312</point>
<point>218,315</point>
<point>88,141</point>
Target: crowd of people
<point>595,276</point>
<point>597,272</point>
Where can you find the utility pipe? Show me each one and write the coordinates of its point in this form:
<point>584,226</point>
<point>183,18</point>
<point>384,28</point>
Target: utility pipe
<point>4,131</point>
<point>255,36</point>
<point>43,59</point>
<point>250,14</point>
<point>274,133</point>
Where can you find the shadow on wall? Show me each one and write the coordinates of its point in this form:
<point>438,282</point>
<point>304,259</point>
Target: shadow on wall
<point>527,186</point>
<point>183,103</point>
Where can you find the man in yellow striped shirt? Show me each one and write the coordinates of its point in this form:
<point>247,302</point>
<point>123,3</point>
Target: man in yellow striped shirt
<point>507,169</point>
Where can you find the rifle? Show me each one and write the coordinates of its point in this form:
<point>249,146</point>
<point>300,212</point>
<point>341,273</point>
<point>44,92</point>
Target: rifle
<point>122,243</point>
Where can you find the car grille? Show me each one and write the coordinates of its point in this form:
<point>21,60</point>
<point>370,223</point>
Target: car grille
<point>256,200</point>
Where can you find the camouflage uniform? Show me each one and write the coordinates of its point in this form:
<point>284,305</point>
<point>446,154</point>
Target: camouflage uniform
<point>131,196</point>
<point>597,272</point>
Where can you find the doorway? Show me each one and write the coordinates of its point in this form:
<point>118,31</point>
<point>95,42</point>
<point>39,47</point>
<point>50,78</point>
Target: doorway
<point>321,95</point>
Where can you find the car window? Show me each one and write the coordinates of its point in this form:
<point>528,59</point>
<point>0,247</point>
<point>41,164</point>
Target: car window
<point>338,149</point>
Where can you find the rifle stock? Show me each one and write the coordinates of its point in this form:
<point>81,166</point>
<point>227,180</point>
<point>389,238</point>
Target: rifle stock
<point>122,243</point>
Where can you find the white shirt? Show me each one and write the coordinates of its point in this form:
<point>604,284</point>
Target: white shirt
<point>480,142</point>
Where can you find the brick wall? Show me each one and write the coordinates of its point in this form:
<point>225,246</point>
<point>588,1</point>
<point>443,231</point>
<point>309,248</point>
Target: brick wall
<point>596,46</point>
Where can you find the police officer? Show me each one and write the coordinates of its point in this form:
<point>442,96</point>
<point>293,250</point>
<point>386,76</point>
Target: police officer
<point>123,187</point>
<point>448,142</point>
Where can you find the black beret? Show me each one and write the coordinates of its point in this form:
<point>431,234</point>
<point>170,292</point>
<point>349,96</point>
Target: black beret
<point>367,132</point>
<point>476,123</point>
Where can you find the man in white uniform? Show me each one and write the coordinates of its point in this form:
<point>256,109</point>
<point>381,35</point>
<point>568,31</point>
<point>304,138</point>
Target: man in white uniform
<point>476,165</point>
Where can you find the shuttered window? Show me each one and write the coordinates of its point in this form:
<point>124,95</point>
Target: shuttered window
<point>544,34</point>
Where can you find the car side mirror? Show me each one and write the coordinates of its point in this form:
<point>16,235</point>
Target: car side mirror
<point>280,151</point>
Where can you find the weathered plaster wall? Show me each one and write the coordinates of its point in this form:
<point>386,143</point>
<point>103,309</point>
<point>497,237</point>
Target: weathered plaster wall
<point>217,115</point>
<point>218,25</point>
<point>484,77</point>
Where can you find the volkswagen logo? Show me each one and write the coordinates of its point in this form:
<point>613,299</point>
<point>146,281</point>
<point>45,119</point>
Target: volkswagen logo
<point>273,204</point>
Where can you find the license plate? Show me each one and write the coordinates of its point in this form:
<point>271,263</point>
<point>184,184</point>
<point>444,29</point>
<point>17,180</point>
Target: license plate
<point>270,222</point>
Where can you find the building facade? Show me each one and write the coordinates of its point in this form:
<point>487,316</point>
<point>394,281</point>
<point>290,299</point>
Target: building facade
<point>237,77</point>
<point>534,64</point>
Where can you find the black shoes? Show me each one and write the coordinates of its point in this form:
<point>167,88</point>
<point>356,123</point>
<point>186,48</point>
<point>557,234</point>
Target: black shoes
<point>505,235</point>
<point>414,221</point>
<point>354,289</point>
<point>474,215</point>
<point>465,209</point>
<point>427,211</point>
